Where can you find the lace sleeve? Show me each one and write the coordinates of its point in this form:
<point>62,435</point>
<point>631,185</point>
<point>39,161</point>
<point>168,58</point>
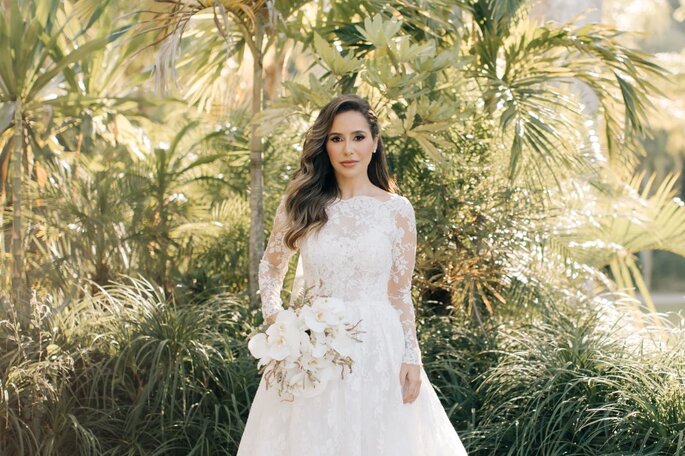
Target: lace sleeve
<point>274,264</point>
<point>399,285</point>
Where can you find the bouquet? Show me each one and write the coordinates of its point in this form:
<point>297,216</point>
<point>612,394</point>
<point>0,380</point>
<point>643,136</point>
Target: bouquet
<point>309,341</point>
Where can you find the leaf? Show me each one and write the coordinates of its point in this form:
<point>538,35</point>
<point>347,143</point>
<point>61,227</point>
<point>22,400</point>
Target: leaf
<point>74,56</point>
<point>45,11</point>
<point>379,32</point>
<point>407,52</point>
<point>426,144</point>
<point>409,116</point>
<point>432,127</point>
<point>6,115</point>
<point>516,149</point>
<point>270,119</point>
<point>446,58</point>
<point>338,64</point>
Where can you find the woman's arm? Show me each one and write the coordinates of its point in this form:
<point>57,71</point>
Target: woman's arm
<point>402,269</point>
<point>274,265</point>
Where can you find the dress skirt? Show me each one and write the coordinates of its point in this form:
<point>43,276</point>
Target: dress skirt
<point>360,415</point>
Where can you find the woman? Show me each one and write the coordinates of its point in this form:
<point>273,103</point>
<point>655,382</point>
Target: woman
<point>357,242</point>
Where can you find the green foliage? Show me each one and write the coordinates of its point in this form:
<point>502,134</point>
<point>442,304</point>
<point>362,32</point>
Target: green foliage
<point>119,213</point>
<point>573,383</point>
<point>127,372</point>
<point>221,261</point>
<point>457,352</point>
<point>37,366</point>
<point>85,217</point>
<point>471,95</point>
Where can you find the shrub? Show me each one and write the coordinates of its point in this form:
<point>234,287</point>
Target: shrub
<point>569,384</point>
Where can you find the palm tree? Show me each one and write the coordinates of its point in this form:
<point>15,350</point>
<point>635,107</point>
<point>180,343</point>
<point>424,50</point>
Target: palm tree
<point>251,24</point>
<point>37,70</point>
<point>160,187</point>
<point>520,72</point>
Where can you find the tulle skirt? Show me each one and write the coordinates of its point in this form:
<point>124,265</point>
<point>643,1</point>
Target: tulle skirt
<point>360,415</point>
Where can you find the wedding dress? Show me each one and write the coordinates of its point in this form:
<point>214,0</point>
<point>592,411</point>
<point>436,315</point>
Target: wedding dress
<point>365,255</point>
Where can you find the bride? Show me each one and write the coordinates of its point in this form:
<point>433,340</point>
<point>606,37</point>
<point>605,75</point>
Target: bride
<point>356,239</point>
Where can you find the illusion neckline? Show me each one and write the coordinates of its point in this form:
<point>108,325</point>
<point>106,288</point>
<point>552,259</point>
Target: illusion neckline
<point>340,200</point>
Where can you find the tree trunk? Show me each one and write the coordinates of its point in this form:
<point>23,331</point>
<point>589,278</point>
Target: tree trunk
<point>256,242</point>
<point>5,231</point>
<point>18,296</point>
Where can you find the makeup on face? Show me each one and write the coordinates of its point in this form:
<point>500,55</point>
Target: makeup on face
<point>349,143</point>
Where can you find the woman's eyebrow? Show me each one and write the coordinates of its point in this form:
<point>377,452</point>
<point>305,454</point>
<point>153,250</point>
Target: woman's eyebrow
<point>336,133</point>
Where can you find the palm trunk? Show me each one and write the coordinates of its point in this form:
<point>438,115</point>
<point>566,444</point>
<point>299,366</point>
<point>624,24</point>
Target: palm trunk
<point>18,295</point>
<point>256,242</point>
<point>5,233</point>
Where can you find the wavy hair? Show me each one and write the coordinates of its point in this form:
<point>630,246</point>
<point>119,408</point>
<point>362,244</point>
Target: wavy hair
<point>314,184</point>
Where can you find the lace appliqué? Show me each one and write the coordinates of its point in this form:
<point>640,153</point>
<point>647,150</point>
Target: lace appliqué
<point>366,244</point>
<point>401,272</point>
<point>274,264</point>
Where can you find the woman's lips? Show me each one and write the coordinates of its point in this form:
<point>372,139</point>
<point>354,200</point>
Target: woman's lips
<point>348,163</point>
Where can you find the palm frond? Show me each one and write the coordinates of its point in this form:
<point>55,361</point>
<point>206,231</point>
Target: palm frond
<point>524,71</point>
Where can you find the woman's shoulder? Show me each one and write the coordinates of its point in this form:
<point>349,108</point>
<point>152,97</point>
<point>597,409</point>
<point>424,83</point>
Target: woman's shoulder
<point>399,205</point>
<point>396,201</point>
<point>386,196</point>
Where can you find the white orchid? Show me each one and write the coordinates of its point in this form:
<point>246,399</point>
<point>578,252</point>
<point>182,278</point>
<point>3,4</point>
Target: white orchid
<point>304,347</point>
<point>284,336</point>
<point>319,346</point>
<point>304,385</point>
<point>322,313</point>
<point>341,342</point>
<point>321,365</point>
<point>259,348</point>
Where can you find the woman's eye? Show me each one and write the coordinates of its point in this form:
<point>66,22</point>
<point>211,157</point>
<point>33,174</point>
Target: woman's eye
<point>335,139</point>
<point>359,137</point>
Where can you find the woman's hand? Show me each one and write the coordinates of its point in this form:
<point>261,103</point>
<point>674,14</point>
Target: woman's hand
<point>410,378</point>
<point>271,319</point>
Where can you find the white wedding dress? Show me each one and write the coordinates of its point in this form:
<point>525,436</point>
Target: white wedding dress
<point>364,255</point>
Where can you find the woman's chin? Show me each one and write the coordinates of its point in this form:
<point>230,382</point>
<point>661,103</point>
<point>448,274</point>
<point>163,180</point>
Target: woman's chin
<point>351,171</point>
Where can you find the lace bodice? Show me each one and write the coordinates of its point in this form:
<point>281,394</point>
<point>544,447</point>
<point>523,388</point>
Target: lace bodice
<point>366,250</point>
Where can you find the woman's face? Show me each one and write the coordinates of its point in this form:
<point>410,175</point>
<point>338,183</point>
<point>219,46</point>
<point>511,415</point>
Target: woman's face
<point>350,144</point>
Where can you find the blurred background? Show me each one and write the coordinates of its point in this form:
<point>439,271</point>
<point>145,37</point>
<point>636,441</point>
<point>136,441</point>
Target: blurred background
<point>658,28</point>
<point>144,147</point>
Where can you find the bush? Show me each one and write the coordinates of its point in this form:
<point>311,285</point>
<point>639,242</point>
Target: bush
<point>127,372</point>
<point>569,384</point>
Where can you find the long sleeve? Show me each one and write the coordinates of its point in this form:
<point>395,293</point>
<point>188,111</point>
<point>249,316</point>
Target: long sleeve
<point>402,269</point>
<point>274,264</point>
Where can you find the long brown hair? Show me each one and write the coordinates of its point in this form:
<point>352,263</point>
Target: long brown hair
<point>314,184</point>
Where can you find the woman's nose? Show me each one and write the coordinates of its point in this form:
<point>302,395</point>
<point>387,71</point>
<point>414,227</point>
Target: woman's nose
<point>348,147</point>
